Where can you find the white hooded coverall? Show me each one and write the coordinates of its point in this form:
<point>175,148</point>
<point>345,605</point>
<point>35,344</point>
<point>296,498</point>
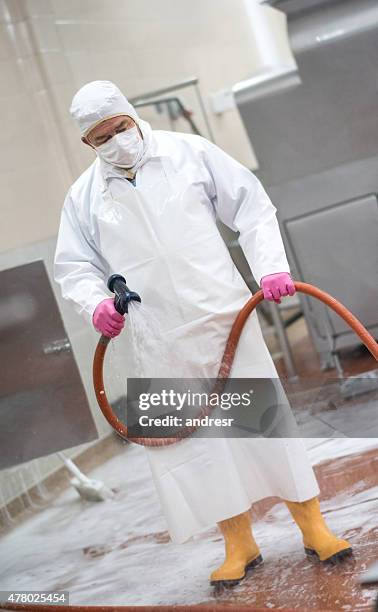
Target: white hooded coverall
<point>161,234</point>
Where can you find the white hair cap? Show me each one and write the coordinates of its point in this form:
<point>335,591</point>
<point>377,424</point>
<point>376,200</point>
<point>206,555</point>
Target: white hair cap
<point>99,100</point>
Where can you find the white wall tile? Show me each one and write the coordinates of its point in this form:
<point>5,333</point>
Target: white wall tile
<point>81,67</point>
<point>38,7</point>
<point>45,33</point>
<point>30,70</point>
<point>73,37</point>
<point>87,66</point>
<point>12,11</point>
<point>7,47</point>
<point>55,67</point>
<point>79,9</point>
<point>19,33</point>
<point>39,195</point>
<point>12,79</point>
<point>52,47</point>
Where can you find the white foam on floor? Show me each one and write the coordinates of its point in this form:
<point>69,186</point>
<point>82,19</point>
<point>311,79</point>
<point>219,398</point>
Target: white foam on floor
<point>324,449</point>
<point>104,553</point>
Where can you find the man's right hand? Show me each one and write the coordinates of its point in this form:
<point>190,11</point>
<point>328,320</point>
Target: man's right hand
<point>107,320</point>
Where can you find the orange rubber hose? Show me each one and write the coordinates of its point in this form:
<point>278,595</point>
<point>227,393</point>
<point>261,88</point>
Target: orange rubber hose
<point>227,359</point>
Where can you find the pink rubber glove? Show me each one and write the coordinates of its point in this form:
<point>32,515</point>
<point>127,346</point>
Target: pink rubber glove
<point>277,285</point>
<point>107,320</point>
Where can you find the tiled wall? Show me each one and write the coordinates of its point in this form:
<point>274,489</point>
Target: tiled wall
<point>49,48</point>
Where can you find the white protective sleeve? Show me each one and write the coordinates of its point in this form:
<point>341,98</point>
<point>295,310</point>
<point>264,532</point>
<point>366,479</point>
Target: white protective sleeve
<point>242,204</point>
<point>78,267</point>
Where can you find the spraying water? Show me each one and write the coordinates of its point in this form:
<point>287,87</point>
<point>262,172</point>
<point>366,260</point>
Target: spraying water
<point>144,349</point>
<point>142,342</point>
<point>140,351</point>
<point>149,349</point>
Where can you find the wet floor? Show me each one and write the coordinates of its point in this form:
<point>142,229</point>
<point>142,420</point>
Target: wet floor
<point>290,579</point>
<point>119,552</point>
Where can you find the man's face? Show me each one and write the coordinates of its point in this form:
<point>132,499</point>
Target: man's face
<point>105,130</point>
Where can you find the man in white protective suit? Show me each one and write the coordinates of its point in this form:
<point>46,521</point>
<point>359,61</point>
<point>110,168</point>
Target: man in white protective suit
<point>146,208</point>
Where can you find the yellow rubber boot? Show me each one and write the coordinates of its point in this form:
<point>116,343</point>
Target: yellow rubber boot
<point>242,552</point>
<point>317,538</point>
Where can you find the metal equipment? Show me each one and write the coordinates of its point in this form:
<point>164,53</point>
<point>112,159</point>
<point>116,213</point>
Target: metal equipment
<point>158,98</point>
<point>314,129</point>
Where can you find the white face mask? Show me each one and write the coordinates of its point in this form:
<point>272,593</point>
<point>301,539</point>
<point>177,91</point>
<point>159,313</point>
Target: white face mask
<point>124,149</point>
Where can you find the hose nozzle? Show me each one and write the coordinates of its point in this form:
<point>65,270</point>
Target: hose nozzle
<point>123,295</point>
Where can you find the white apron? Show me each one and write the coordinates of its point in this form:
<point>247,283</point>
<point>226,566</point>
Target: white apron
<point>176,259</point>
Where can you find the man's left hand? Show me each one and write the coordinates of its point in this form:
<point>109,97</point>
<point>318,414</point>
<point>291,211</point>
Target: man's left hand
<point>277,285</point>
